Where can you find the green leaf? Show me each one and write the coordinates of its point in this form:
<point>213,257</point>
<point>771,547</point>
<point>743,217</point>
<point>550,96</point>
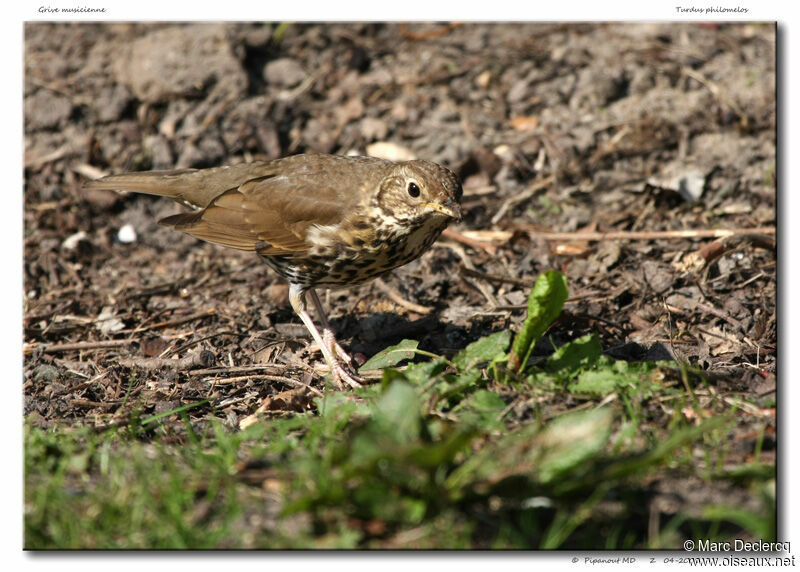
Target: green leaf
<point>336,409</point>
<point>391,355</point>
<point>539,455</point>
<point>395,424</point>
<point>570,440</point>
<point>392,375</point>
<point>600,382</point>
<point>544,305</point>
<point>578,355</point>
<point>422,373</point>
<point>484,400</point>
<point>609,377</point>
<point>398,412</point>
<point>486,349</point>
<point>455,385</point>
<point>482,409</point>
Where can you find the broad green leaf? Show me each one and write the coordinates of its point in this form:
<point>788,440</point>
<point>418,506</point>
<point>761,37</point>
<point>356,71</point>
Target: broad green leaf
<point>535,453</point>
<point>570,440</point>
<point>514,453</point>
<point>390,376</point>
<point>484,400</point>
<point>459,384</point>
<point>577,355</point>
<point>486,349</point>
<point>481,409</point>
<point>609,376</point>
<point>394,425</point>
<point>336,408</point>
<point>600,382</point>
<point>421,373</point>
<point>399,408</point>
<point>391,355</point>
<point>544,305</point>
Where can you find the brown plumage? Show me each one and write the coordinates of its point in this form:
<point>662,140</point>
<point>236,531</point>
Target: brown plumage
<point>318,220</point>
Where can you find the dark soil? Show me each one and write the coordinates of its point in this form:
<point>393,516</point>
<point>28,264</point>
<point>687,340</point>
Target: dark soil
<point>572,129</point>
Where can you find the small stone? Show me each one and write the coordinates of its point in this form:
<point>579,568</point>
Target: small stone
<point>180,61</point>
<point>164,406</point>
<point>107,323</point>
<point>257,37</point>
<point>505,152</point>
<point>483,79</point>
<point>657,276</point>
<point>54,388</point>
<point>46,373</point>
<point>691,185</point>
<point>390,151</point>
<point>71,242</point>
<point>284,72</point>
<point>127,234</point>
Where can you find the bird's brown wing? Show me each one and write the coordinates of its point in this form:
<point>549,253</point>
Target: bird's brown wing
<point>265,206</point>
<point>268,215</point>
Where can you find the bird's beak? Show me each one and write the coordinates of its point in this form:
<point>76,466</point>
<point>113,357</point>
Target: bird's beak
<point>448,208</point>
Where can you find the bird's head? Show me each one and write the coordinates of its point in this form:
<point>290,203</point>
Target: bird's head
<point>416,192</point>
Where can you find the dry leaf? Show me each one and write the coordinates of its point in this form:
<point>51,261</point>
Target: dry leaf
<point>525,122</point>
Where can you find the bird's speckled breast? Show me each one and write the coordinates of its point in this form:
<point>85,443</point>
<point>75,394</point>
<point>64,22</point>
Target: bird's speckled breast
<point>342,256</point>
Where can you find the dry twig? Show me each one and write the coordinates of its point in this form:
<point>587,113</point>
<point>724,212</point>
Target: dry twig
<point>204,358</point>
<point>240,369</point>
<point>395,297</point>
<point>521,197</point>
<point>496,277</point>
<point>469,241</point>
<point>647,234</point>
<point>77,346</point>
<point>480,286</point>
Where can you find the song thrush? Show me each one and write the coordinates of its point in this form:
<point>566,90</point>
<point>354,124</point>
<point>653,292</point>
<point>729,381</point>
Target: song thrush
<point>318,220</point>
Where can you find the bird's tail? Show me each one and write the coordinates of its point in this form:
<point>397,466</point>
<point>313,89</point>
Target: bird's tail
<point>196,188</point>
<point>178,185</point>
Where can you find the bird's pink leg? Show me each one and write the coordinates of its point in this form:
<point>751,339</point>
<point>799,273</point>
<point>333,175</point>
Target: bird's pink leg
<point>327,344</point>
<point>327,331</point>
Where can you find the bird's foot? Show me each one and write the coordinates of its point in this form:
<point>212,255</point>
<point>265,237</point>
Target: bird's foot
<point>345,374</point>
<point>340,364</point>
<point>330,341</point>
<point>343,371</point>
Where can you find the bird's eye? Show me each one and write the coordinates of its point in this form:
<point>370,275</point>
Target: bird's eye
<point>413,190</point>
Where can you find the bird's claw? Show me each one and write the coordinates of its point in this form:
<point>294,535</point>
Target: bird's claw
<point>351,378</point>
<point>342,369</point>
